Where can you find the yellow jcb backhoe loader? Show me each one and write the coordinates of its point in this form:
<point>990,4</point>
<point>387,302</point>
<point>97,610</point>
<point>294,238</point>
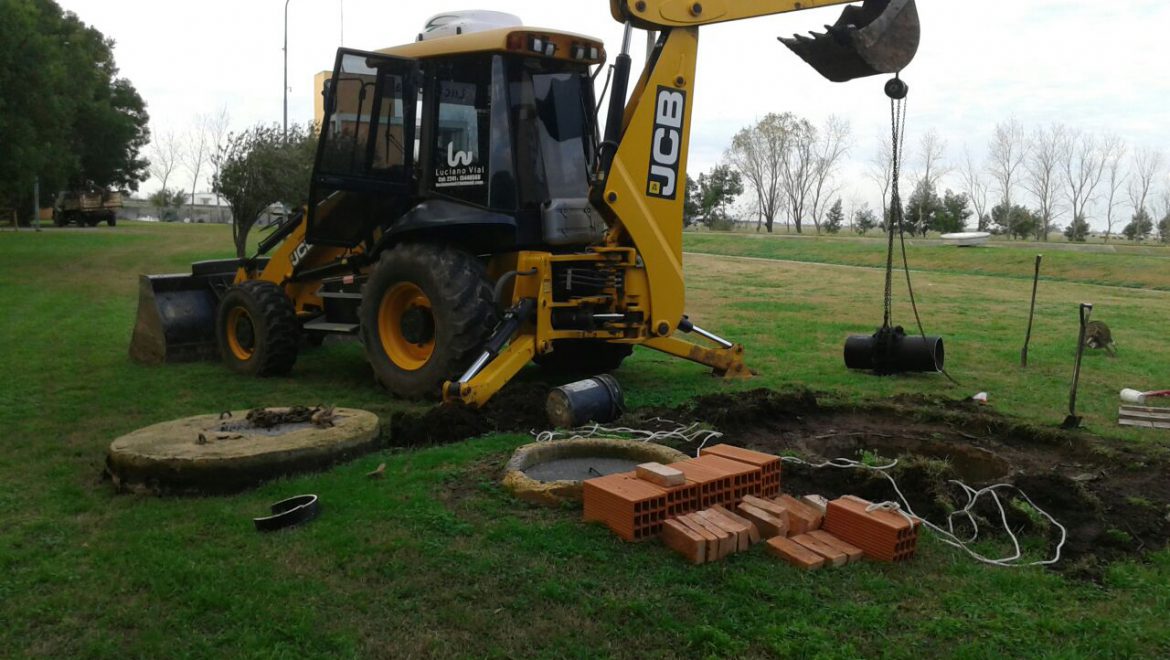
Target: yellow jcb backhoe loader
<point>466,217</point>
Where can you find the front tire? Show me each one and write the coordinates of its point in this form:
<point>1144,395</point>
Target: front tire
<point>257,329</point>
<point>426,312</point>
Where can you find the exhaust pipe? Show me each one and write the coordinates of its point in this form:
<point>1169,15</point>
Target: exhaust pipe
<point>880,36</point>
<point>891,351</point>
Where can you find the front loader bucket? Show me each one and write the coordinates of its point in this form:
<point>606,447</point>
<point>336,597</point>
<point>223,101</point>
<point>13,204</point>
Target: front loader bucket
<point>176,317</point>
<point>880,36</point>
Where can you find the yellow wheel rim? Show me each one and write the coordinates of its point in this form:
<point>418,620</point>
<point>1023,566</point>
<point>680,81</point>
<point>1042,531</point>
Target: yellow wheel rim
<point>241,334</point>
<point>406,326</point>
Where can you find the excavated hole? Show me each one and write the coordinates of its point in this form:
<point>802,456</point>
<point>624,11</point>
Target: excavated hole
<point>1113,497</point>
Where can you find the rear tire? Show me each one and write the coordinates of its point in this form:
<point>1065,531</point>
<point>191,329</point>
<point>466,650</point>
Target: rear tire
<point>583,357</point>
<point>426,312</point>
<point>111,220</point>
<point>257,329</point>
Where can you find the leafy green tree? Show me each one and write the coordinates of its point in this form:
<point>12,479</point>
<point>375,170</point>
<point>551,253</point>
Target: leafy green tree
<point>1140,227</point>
<point>262,166</point>
<point>1077,230</point>
<point>693,203</point>
<point>717,189</point>
<point>1016,222</point>
<point>167,202</point>
<point>66,118</point>
<point>952,213</point>
<point>835,218</point>
<point>864,220</point>
<point>1164,228</point>
<point>922,209</point>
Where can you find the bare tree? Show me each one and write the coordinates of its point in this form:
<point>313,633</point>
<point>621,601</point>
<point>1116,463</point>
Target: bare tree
<point>977,188</point>
<point>1084,165</point>
<point>758,153</point>
<point>218,136</point>
<point>797,172</point>
<point>1042,173</point>
<point>832,145</point>
<point>881,171</point>
<point>931,149</point>
<point>1146,165</point>
<point>1005,156</point>
<point>1113,149</point>
<point>165,152</point>
<point>196,150</point>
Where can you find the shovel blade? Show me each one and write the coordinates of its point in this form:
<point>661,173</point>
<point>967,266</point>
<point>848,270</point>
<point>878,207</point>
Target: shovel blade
<point>880,36</point>
<point>176,317</point>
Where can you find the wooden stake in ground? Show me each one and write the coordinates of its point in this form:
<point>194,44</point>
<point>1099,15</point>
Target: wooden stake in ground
<point>1031,312</point>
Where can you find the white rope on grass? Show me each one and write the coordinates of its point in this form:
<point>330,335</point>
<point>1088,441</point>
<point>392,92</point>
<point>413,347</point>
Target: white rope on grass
<point>948,535</point>
<point>688,433</point>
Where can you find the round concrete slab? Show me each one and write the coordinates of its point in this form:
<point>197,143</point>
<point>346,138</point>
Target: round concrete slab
<point>551,473</point>
<point>206,454</point>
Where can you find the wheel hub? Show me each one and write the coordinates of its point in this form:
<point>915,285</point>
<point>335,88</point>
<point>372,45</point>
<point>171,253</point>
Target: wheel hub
<point>418,325</point>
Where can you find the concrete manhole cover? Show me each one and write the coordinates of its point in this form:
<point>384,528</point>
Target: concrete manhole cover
<point>207,454</point>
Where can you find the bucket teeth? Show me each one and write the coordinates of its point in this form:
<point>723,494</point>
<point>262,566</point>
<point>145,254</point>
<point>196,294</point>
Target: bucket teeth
<point>880,36</point>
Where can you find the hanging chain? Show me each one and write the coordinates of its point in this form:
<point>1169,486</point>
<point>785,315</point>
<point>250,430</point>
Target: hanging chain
<point>894,214</point>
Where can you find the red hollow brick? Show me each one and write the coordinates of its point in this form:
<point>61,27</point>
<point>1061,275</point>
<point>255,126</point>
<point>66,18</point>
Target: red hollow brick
<point>795,554</point>
<point>810,518</point>
<point>753,533</point>
<point>852,552</point>
<point>769,465</point>
<point>833,556</point>
<point>768,524</point>
<point>682,540</point>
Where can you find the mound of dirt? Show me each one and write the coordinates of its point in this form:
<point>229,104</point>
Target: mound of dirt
<point>518,408</point>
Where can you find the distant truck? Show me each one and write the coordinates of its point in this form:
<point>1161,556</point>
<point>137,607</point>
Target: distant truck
<point>87,208</point>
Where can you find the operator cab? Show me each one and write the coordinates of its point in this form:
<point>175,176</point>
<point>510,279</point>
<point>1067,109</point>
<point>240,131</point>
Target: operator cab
<point>485,138</point>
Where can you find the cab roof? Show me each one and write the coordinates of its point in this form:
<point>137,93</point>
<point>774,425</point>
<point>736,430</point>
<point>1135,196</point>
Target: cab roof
<point>502,40</point>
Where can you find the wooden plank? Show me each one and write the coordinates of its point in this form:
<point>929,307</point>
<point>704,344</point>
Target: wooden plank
<point>1144,423</point>
<point>1125,411</point>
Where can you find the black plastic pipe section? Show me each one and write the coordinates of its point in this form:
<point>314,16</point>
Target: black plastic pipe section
<point>892,351</point>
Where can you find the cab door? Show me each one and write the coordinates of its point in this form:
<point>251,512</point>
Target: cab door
<point>364,173</point>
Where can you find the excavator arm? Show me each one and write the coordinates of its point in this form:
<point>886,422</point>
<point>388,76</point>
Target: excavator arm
<point>646,144</point>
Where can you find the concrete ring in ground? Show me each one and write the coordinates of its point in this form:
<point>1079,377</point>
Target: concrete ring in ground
<point>171,458</point>
<point>558,492</point>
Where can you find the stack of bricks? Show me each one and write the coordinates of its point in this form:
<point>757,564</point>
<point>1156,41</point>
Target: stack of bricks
<point>883,535</point>
<point>712,506</point>
<point>769,465</point>
<point>635,508</point>
<point>708,535</point>
<point>635,504</point>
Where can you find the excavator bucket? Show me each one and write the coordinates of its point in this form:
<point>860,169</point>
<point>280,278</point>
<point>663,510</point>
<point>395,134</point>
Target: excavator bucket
<point>880,36</point>
<point>176,314</point>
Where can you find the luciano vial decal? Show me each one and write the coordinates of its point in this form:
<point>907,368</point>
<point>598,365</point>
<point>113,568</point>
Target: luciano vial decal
<point>461,170</point>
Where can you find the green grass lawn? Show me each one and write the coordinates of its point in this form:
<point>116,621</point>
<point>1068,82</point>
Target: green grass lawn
<point>437,560</point>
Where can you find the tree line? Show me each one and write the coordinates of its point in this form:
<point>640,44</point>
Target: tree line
<point>783,169</point>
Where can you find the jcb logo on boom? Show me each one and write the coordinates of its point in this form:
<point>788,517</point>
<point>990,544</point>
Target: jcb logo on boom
<point>298,253</point>
<point>666,143</point>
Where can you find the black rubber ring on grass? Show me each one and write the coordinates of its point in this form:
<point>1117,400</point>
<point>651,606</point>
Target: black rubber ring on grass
<point>286,513</point>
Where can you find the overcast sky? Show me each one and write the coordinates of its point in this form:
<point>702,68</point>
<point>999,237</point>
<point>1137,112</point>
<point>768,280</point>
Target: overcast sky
<point>1098,66</point>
